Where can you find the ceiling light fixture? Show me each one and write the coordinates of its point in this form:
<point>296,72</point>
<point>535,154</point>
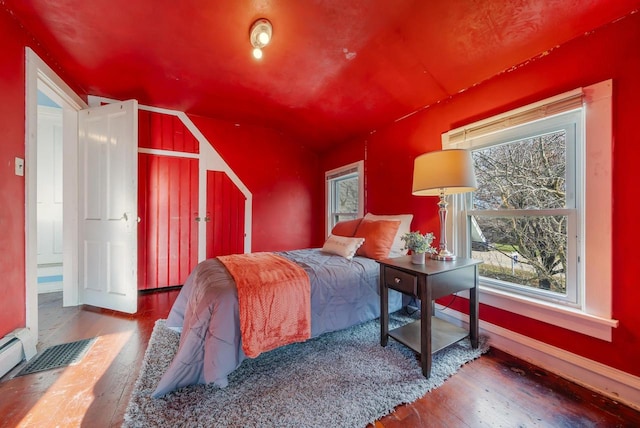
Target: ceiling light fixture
<point>260,36</point>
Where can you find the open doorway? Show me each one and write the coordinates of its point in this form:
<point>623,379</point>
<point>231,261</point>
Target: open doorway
<point>105,188</point>
<point>49,213</point>
<point>40,78</point>
<point>49,196</point>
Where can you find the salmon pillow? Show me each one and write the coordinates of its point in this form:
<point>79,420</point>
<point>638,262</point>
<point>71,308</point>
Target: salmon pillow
<point>378,237</point>
<point>397,248</point>
<point>346,228</point>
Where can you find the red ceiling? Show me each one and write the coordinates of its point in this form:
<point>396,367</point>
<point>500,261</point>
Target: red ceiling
<point>335,68</point>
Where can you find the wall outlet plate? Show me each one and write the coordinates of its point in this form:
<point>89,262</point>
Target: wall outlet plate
<point>20,167</point>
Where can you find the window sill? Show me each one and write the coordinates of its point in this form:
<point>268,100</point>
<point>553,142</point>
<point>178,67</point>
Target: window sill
<point>565,317</point>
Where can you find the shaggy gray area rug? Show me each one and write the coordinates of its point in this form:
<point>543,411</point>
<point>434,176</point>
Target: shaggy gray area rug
<point>340,379</point>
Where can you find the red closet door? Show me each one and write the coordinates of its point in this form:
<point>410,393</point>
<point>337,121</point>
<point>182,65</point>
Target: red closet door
<point>167,207</point>
<point>225,216</point>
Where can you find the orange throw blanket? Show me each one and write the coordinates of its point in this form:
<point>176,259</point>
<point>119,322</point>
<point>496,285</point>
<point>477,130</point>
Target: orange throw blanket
<point>274,296</point>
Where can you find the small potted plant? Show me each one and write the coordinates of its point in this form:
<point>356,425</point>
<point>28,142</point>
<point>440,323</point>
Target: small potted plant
<point>419,245</point>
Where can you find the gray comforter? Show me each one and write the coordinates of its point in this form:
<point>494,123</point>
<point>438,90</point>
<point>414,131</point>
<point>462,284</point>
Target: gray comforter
<point>343,293</point>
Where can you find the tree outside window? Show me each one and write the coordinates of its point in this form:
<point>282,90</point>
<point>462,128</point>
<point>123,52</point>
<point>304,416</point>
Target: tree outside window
<point>520,185</point>
<point>345,190</point>
<point>344,193</point>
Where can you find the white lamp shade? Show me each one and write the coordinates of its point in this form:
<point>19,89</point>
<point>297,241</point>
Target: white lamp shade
<point>448,170</point>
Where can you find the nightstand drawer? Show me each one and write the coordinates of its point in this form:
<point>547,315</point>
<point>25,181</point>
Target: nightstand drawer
<point>401,281</point>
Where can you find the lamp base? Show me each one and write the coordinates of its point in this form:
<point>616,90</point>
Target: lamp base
<point>444,255</point>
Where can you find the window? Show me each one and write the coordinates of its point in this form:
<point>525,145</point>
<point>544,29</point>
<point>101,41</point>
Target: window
<point>344,193</point>
<point>537,219</point>
<point>525,212</point>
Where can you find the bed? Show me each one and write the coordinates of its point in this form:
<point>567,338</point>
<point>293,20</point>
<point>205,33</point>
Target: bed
<point>344,291</point>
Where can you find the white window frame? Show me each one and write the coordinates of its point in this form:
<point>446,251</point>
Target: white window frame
<point>572,123</point>
<point>593,313</point>
<point>337,173</point>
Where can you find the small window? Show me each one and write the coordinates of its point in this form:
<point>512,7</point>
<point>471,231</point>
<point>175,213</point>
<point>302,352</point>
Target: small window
<point>344,194</point>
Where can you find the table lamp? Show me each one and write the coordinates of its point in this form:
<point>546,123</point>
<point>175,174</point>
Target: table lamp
<point>442,173</point>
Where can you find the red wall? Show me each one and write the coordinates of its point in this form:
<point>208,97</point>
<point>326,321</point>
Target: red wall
<point>12,220</point>
<point>610,52</point>
<point>282,176</point>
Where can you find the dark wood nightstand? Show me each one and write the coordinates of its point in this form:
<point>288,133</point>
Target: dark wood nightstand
<point>428,282</point>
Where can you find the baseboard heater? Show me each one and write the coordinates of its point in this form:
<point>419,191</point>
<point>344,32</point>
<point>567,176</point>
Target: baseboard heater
<point>14,348</point>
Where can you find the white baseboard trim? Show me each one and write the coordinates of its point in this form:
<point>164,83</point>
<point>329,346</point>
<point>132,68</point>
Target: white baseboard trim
<point>16,346</point>
<point>10,355</point>
<point>608,381</point>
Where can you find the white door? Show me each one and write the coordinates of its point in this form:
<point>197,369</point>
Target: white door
<point>107,202</point>
<point>49,199</point>
<point>49,196</point>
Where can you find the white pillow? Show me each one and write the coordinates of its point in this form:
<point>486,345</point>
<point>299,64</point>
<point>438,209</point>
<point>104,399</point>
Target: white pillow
<point>405,227</point>
<point>342,246</point>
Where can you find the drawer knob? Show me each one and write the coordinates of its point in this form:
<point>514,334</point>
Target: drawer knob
<point>397,280</point>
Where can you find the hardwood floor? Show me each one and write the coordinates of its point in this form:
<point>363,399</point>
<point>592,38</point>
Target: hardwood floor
<point>496,390</point>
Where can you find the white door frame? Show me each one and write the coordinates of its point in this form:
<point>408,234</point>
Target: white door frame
<point>40,76</point>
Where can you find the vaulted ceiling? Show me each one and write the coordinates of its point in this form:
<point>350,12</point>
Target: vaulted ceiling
<point>335,69</point>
